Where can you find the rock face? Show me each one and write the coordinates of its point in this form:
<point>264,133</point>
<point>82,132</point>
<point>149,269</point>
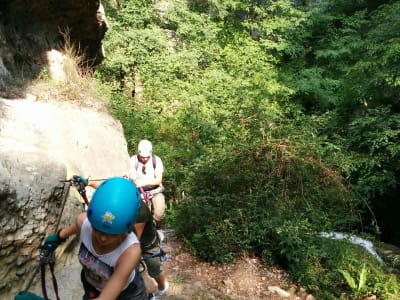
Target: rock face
<point>42,144</point>
<point>30,28</point>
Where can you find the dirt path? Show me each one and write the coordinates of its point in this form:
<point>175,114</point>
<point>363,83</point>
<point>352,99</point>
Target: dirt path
<point>246,279</point>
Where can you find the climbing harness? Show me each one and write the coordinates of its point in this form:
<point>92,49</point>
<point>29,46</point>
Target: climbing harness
<point>146,196</point>
<point>162,254</point>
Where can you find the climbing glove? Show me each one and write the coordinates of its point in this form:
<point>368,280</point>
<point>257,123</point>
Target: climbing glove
<point>27,296</point>
<point>80,180</point>
<point>53,241</point>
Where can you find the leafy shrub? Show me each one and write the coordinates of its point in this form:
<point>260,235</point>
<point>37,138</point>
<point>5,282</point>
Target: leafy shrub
<point>263,133</point>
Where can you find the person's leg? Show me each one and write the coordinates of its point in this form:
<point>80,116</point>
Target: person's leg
<point>161,281</point>
<point>155,270</point>
<point>158,202</point>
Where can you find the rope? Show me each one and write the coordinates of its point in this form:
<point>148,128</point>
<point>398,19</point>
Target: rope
<point>65,196</point>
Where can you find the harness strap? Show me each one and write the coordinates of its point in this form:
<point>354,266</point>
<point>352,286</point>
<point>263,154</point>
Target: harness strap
<point>43,280</point>
<point>84,196</point>
<point>55,285</point>
<point>145,195</point>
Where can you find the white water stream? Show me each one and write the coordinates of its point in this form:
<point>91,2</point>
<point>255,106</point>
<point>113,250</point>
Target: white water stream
<point>367,245</point>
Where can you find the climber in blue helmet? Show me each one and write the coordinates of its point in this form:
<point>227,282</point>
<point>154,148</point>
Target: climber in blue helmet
<point>109,252</point>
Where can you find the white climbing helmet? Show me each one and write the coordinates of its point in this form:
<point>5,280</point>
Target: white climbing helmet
<point>145,148</point>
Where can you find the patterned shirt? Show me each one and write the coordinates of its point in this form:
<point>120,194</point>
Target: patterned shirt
<point>98,268</point>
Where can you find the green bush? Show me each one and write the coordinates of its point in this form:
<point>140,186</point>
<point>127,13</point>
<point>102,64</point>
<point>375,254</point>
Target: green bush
<point>272,120</point>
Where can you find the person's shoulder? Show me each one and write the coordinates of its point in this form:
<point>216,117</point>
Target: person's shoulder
<point>82,220</point>
<point>157,157</point>
<point>133,161</point>
<point>132,240</point>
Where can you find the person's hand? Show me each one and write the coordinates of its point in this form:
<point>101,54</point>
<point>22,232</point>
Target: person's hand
<point>80,180</point>
<point>53,241</point>
<point>146,196</point>
<point>27,296</point>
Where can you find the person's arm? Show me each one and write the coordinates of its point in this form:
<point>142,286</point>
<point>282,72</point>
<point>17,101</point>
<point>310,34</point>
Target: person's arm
<point>74,228</point>
<point>139,227</point>
<point>57,238</point>
<point>153,181</point>
<point>126,263</point>
<point>94,183</point>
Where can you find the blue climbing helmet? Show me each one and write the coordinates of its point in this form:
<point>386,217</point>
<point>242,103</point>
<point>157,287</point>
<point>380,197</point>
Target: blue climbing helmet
<point>114,206</point>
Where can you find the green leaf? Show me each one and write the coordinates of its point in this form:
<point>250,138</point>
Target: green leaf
<point>363,278</point>
<point>349,279</point>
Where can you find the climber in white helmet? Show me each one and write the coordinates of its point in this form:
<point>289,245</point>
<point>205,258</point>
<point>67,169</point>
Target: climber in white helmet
<point>146,171</point>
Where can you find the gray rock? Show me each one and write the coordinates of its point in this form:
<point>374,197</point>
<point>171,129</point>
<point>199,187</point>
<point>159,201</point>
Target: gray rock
<point>42,144</point>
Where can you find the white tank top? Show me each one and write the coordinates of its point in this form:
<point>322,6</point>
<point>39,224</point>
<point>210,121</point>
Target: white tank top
<point>99,268</point>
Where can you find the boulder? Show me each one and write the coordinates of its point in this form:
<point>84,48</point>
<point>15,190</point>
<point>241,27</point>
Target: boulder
<point>42,144</point>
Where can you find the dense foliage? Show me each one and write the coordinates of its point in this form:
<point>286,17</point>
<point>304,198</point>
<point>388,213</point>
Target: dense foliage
<point>276,119</point>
